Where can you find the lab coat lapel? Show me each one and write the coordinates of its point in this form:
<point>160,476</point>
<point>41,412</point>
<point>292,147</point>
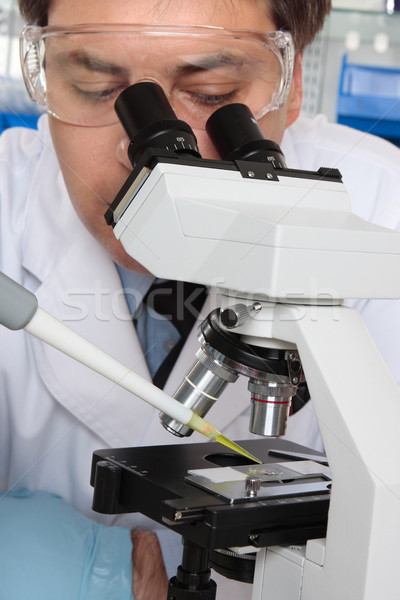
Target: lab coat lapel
<point>91,303</point>
<point>78,283</point>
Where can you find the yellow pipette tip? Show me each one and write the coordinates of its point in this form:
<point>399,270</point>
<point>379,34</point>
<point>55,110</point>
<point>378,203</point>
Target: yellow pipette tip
<point>201,426</point>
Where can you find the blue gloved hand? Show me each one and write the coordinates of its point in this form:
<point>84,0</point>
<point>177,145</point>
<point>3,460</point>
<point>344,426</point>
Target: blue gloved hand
<point>49,551</point>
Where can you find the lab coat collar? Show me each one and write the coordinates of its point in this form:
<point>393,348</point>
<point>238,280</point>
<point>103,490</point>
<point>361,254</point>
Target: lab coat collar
<point>50,221</point>
<point>289,149</point>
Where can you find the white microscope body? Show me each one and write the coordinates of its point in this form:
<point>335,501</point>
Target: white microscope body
<point>293,244</point>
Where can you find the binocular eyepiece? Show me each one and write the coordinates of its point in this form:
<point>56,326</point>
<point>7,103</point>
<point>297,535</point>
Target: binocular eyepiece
<point>150,122</point>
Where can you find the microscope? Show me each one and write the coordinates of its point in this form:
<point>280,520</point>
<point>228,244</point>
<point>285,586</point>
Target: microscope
<point>285,251</point>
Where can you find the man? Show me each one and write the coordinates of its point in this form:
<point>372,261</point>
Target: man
<point>57,412</point>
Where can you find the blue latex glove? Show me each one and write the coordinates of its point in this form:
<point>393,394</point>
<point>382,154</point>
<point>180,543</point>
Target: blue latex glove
<point>49,551</point>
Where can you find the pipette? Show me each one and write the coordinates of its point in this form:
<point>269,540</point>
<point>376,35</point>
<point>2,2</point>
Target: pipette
<point>19,310</point>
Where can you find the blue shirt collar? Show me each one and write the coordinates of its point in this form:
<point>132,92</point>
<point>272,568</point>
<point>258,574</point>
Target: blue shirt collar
<point>136,286</point>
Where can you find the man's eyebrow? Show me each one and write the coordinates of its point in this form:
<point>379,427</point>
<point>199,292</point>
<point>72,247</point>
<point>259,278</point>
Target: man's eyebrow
<point>82,59</point>
<point>209,62</point>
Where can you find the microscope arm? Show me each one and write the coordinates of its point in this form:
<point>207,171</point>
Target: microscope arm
<point>357,405</point>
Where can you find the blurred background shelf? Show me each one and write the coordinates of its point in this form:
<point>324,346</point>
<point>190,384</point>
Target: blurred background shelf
<point>15,106</point>
<point>369,40</point>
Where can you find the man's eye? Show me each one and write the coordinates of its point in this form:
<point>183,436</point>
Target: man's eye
<point>101,95</point>
<point>212,99</point>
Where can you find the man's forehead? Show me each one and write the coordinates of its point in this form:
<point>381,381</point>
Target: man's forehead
<point>98,58</point>
<point>234,14</point>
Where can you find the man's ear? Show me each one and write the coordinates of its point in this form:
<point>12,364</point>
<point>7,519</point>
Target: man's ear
<point>295,98</point>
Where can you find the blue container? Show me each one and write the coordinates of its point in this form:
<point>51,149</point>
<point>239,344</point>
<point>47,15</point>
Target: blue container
<point>369,99</point>
<point>15,120</point>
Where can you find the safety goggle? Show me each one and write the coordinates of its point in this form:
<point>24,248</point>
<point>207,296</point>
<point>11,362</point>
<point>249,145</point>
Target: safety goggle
<point>76,73</point>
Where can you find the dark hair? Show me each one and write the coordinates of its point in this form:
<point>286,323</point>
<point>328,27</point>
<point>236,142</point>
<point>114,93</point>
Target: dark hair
<point>303,18</point>
<point>34,11</point>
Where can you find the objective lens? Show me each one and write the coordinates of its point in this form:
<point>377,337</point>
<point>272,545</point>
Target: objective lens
<point>201,387</point>
<point>150,122</point>
<point>270,405</point>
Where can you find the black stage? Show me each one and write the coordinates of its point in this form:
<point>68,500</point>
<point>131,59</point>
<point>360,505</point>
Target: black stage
<point>151,480</point>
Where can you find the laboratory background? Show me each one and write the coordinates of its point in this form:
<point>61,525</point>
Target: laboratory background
<point>351,71</point>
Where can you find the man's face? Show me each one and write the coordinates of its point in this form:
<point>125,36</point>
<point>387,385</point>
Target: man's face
<point>93,159</point>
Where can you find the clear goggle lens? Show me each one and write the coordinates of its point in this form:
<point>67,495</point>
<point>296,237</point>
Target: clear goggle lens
<point>77,73</point>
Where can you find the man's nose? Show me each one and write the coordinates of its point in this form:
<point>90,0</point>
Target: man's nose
<point>122,152</point>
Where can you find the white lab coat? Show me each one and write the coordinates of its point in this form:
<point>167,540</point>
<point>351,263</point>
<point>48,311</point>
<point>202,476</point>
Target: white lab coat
<point>53,411</point>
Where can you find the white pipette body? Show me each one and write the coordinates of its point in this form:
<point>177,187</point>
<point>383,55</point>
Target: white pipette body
<point>52,331</point>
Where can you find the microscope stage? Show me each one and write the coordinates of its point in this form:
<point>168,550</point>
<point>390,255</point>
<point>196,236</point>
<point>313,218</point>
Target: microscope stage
<point>160,482</point>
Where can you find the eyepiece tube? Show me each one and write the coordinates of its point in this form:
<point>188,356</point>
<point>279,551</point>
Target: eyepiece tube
<point>235,133</point>
<point>150,122</point>
<point>141,105</point>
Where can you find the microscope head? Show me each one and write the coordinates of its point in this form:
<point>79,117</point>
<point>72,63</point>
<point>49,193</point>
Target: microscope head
<point>261,232</point>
